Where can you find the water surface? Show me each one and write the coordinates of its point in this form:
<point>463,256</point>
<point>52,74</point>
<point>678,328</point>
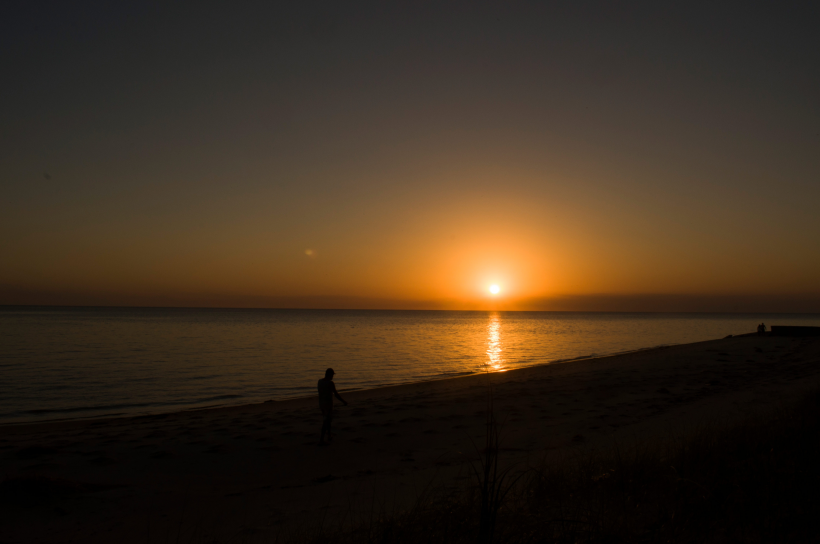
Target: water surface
<point>60,363</point>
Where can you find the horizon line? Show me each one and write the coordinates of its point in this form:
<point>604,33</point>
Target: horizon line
<point>11,295</point>
<point>330,309</point>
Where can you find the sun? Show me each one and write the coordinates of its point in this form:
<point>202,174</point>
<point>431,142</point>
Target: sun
<point>494,289</point>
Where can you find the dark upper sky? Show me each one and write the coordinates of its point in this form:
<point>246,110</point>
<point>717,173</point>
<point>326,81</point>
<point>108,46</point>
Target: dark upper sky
<point>416,151</point>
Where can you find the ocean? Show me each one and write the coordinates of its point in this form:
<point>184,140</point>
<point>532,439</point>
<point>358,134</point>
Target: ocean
<point>65,363</point>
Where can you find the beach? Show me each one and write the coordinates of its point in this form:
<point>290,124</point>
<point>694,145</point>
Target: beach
<point>256,470</point>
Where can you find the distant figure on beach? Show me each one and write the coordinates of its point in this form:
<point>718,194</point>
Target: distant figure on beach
<point>327,390</point>
<point>761,329</point>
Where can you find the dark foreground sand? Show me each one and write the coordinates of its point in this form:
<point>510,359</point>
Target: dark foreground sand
<point>249,473</point>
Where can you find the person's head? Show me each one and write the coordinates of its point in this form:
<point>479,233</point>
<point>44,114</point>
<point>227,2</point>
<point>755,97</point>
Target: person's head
<point>329,373</point>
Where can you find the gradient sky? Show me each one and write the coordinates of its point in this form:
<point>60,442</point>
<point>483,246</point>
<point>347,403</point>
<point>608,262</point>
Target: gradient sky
<point>408,155</point>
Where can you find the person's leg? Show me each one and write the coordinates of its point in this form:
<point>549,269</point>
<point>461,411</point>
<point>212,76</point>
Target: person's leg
<point>324,430</point>
<point>326,414</point>
<point>329,419</point>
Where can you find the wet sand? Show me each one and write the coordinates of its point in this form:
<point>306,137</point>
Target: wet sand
<point>251,472</point>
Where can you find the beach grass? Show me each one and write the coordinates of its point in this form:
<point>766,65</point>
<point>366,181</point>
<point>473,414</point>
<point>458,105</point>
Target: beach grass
<point>756,481</point>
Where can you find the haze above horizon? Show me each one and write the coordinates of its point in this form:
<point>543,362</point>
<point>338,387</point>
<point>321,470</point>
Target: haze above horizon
<point>583,156</point>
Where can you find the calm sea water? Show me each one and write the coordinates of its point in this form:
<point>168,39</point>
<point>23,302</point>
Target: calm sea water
<point>58,363</point>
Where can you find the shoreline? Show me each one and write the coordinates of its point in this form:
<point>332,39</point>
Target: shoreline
<point>100,380</point>
<point>121,416</point>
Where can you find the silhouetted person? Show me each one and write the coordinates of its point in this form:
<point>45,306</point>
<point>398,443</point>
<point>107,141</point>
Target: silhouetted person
<point>327,390</point>
<point>759,331</point>
<point>763,329</point>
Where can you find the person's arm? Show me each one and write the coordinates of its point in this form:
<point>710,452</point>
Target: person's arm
<point>338,396</point>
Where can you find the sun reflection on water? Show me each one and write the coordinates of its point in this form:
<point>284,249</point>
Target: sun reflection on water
<point>494,349</point>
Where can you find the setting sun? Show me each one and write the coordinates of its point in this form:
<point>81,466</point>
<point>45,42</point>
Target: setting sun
<point>494,289</point>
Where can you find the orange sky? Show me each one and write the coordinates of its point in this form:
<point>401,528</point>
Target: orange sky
<point>441,250</point>
<point>609,160</point>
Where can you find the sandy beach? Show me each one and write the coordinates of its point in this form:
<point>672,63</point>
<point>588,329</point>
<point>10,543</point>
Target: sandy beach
<point>254,471</point>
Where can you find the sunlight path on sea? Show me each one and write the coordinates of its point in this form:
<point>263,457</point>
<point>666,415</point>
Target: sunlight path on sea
<point>494,349</point>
